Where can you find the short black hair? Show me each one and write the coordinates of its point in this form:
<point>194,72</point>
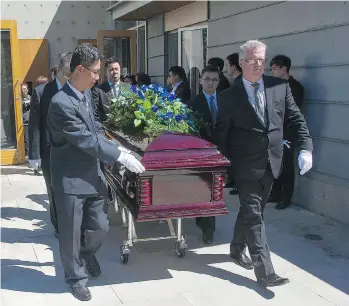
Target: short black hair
<point>85,54</point>
<point>281,61</point>
<point>112,60</point>
<point>131,77</point>
<point>233,60</point>
<point>179,71</point>
<point>143,79</point>
<point>210,68</point>
<point>216,61</point>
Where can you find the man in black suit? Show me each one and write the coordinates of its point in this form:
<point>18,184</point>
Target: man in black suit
<point>250,133</point>
<point>113,85</point>
<point>177,81</point>
<point>39,142</point>
<point>283,187</point>
<point>77,145</point>
<point>206,105</point>
<point>223,81</point>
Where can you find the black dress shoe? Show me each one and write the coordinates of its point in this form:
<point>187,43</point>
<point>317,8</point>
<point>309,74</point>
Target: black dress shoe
<point>82,293</point>
<point>273,280</point>
<point>207,237</point>
<point>282,205</point>
<point>241,259</point>
<point>233,191</point>
<point>93,266</point>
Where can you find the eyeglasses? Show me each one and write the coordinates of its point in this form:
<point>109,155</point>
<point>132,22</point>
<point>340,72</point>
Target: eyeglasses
<point>95,72</point>
<point>255,61</point>
<point>171,75</point>
<point>208,80</point>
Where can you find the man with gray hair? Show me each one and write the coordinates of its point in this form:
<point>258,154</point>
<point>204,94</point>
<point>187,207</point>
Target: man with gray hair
<point>39,141</point>
<point>250,133</point>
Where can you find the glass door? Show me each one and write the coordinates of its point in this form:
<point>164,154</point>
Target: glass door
<point>122,45</point>
<point>12,130</point>
<point>192,54</point>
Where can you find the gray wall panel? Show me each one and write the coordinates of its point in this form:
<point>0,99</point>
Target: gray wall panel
<point>157,80</point>
<point>253,24</point>
<point>156,46</point>
<point>156,66</point>
<point>155,26</point>
<point>331,157</point>
<point>224,8</point>
<point>322,116</point>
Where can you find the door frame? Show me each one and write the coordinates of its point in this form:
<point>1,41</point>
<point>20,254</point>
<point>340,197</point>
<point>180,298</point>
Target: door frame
<point>132,34</point>
<point>142,24</point>
<point>14,156</point>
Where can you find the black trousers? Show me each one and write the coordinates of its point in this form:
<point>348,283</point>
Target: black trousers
<point>45,166</point>
<point>26,139</point>
<point>249,227</point>
<point>206,224</point>
<point>75,212</point>
<point>283,186</point>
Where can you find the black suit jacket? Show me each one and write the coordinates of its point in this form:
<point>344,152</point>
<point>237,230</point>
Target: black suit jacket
<point>39,141</point>
<point>183,92</point>
<point>77,146</point>
<point>200,106</point>
<point>246,141</point>
<point>223,83</point>
<point>105,86</point>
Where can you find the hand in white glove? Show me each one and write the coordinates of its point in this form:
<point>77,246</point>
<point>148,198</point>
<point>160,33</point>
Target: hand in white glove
<point>35,163</point>
<point>123,149</point>
<point>130,162</point>
<point>305,161</point>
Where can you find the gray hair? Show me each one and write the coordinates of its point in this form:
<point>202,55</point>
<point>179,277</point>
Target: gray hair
<point>251,45</point>
<point>65,59</point>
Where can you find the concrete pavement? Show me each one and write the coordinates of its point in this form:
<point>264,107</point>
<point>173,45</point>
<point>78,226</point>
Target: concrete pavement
<point>309,249</point>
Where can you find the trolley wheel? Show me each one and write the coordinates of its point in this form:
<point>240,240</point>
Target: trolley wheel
<point>124,258</point>
<point>180,250</point>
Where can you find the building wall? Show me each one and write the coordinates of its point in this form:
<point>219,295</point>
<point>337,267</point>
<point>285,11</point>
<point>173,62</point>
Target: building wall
<point>62,23</point>
<point>156,48</point>
<point>315,36</point>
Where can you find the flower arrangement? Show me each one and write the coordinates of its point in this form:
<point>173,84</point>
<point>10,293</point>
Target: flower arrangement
<point>149,111</point>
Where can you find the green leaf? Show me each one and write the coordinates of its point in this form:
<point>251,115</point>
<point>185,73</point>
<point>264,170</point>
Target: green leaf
<point>137,122</point>
<point>139,101</point>
<point>147,104</point>
<point>139,115</point>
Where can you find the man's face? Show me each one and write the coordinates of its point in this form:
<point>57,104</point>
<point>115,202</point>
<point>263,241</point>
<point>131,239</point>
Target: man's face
<point>90,75</point>
<point>24,90</point>
<point>172,79</point>
<point>114,72</point>
<point>278,72</point>
<point>65,71</point>
<point>209,81</point>
<point>230,69</point>
<point>253,64</point>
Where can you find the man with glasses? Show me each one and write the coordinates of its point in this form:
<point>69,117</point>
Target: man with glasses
<point>206,105</point>
<point>250,133</point>
<point>39,141</point>
<point>77,146</point>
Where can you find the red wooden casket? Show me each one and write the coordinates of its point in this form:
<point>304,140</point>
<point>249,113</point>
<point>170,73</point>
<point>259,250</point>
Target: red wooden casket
<point>183,179</point>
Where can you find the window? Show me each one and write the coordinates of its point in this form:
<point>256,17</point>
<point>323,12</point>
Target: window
<point>171,51</point>
<point>141,29</point>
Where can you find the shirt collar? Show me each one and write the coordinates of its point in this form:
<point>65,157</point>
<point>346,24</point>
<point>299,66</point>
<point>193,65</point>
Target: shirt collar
<point>59,85</point>
<point>79,94</point>
<point>112,84</point>
<point>176,85</point>
<point>208,96</point>
<point>248,83</point>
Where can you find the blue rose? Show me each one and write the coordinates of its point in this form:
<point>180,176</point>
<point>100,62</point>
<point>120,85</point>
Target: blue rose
<point>171,97</point>
<point>154,108</point>
<point>165,116</point>
<point>170,114</point>
<point>179,118</point>
<point>185,116</point>
<point>144,87</point>
<point>134,88</point>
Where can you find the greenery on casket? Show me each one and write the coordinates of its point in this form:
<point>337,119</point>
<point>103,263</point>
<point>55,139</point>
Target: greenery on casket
<point>149,111</point>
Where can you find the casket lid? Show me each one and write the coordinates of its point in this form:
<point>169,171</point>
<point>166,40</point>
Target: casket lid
<point>175,151</point>
<point>177,141</point>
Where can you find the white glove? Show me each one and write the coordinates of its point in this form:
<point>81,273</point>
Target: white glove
<point>35,163</point>
<point>130,162</point>
<point>123,149</point>
<point>305,161</point>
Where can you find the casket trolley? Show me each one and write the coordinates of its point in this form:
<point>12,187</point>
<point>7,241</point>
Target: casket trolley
<point>184,178</point>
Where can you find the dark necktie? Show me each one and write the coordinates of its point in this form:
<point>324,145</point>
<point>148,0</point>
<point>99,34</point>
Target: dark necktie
<point>213,110</point>
<point>259,102</point>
